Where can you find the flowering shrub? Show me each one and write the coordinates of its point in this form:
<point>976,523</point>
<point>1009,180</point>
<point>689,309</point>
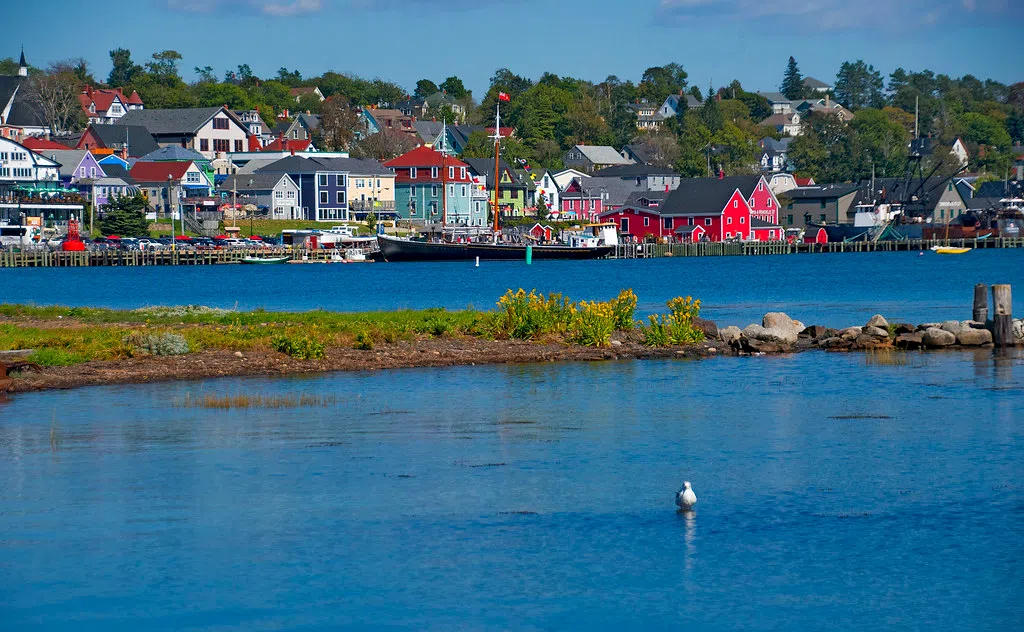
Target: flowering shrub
<point>623,307</point>
<point>677,327</point>
<point>593,324</point>
<point>522,316</point>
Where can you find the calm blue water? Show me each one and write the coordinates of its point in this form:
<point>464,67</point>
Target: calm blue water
<point>395,507</point>
<point>836,290</point>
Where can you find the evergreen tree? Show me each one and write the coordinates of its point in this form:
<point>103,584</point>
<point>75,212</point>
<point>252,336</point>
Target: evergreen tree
<point>711,113</point>
<point>126,217</point>
<point>124,69</point>
<point>793,82</point>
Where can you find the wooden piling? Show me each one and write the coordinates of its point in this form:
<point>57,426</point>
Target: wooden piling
<point>1002,316</point>
<point>980,312</point>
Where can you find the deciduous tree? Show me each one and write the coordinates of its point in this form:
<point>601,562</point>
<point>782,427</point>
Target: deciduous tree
<point>383,145</point>
<point>55,92</point>
<point>337,123</point>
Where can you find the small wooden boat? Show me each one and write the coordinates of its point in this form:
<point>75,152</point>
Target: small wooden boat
<point>265,259</point>
<point>949,250</point>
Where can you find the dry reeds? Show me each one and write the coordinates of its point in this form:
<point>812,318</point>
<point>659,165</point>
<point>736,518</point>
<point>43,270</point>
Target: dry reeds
<point>885,356</point>
<point>227,402</point>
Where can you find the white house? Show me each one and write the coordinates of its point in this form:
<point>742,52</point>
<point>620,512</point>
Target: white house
<point>21,166</point>
<point>210,131</point>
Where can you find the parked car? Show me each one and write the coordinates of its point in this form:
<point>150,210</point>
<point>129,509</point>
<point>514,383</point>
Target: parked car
<point>150,244</point>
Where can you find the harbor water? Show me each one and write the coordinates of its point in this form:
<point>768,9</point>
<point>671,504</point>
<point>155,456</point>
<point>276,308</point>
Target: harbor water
<point>843,491</point>
<point>829,289</point>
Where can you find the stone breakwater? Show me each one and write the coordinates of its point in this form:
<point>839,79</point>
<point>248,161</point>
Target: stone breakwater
<point>778,333</point>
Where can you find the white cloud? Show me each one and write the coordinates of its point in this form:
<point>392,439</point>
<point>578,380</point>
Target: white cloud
<point>284,8</point>
<point>296,7</point>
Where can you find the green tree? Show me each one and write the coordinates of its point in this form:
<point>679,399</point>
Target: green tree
<point>425,88</point>
<point>214,94</point>
<point>124,69</point>
<point>455,88</point>
<point>885,139</point>
<point>291,78</point>
<point>988,142</point>
<point>658,82</point>
<point>125,216</point>
<point>164,67</point>
<point>859,85</point>
<point>205,74</point>
<point>828,150</point>
<point>792,82</point>
<point>694,146</point>
<point>711,113</point>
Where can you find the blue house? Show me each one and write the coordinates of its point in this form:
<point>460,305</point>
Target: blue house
<point>323,191</point>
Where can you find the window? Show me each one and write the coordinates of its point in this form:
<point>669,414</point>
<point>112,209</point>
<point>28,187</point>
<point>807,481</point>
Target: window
<point>743,220</point>
<point>823,204</point>
<point>412,191</point>
<point>324,198</point>
<point>735,203</point>
<point>433,173</point>
<point>81,172</point>
<point>789,220</point>
<point>451,190</point>
<point>279,195</point>
<point>462,173</point>
<point>340,198</point>
<point>647,222</point>
<point>359,183</point>
<point>728,235</point>
<point>295,134</point>
<point>771,234</point>
<point>204,144</point>
<point>463,190</point>
<point>433,191</point>
<point>728,220</point>
<point>291,195</point>
<point>760,186</point>
<point>451,173</point>
<point>221,145</point>
<point>92,172</point>
<point>593,204</point>
<point>822,216</point>
<point>323,179</point>
<point>625,224</point>
<point>220,123</point>
<point>433,208</point>
<point>378,183</point>
<point>238,145</point>
<point>412,173</point>
<point>751,201</point>
<point>707,221</point>
<point>192,177</point>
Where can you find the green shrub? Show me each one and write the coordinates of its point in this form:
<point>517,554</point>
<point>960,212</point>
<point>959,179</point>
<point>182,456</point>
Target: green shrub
<point>677,327</point>
<point>300,348</point>
<point>159,344</point>
<point>364,341</point>
<point>49,356</point>
<point>593,324</point>
<point>523,316</point>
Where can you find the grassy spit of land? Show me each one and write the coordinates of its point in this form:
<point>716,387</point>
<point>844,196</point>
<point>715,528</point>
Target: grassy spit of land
<point>82,346</point>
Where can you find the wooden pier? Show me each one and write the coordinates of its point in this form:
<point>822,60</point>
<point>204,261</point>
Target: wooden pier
<point>41,258</point>
<point>719,249</point>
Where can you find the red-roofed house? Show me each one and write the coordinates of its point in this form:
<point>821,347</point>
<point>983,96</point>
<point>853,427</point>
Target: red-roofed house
<point>184,178</point>
<point>422,176</point>
<point>288,145</point>
<point>37,144</point>
<point>107,106</point>
<point>804,182</point>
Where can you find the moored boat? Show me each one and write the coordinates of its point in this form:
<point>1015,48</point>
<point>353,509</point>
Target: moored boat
<point>265,260</point>
<point>403,249</point>
<point>949,250</point>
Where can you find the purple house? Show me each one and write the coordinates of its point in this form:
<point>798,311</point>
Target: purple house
<point>323,191</point>
<point>76,165</point>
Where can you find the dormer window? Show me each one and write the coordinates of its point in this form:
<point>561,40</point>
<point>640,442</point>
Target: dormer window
<point>92,108</point>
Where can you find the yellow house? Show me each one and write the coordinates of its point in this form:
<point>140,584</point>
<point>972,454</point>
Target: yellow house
<point>371,186</point>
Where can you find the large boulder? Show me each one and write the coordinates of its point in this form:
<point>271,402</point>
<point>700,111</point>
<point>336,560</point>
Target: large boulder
<point>878,321</point>
<point>709,328</point>
<point>905,328</point>
<point>835,343</point>
<point>779,319</point>
<point>970,337</point>
<point>1018,331</point>
<point>850,333</point>
<point>876,332</point>
<point>730,334</point>
<point>952,326</point>
<point>776,335</point>
<point>926,326</point>
<point>912,340</point>
<point>935,337</point>
<point>752,345</point>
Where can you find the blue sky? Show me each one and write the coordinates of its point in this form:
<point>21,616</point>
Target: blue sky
<point>405,40</point>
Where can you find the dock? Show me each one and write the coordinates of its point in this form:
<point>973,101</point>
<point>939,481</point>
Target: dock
<point>723,249</point>
<point>43,258</point>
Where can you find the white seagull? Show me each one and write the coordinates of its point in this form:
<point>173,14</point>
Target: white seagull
<point>685,498</point>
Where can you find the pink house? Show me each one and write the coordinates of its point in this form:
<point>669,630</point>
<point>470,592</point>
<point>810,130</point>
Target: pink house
<point>580,202</point>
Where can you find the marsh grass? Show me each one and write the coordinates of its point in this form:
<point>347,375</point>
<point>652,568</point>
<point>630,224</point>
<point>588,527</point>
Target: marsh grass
<point>886,356</point>
<point>245,401</point>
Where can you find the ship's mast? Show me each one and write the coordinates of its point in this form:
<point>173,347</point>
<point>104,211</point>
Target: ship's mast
<point>444,174</point>
<point>497,155</point>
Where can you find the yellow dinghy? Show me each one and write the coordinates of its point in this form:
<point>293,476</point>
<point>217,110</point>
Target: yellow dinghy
<point>949,250</point>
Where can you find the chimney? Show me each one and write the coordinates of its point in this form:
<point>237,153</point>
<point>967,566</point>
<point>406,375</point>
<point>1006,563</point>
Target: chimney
<point>828,100</point>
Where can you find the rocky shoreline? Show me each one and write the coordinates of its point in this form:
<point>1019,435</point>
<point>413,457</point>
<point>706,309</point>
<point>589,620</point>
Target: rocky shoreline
<point>778,333</point>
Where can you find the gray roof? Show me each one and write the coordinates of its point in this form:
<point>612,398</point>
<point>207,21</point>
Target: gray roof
<point>252,182</point>
<point>427,130</point>
<point>760,223</point>
<point>634,170</point>
<point>293,164</point>
<point>602,155</point>
<point>615,189</point>
<point>775,97</point>
<point>822,191</point>
<point>181,121</point>
<point>255,165</point>
<point>356,166</point>
<point>140,141</point>
<point>69,159</point>
<point>173,153</point>
<point>770,144</point>
<point>705,196</point>
<point>24,112</point>
<point>115,170</point>
<point>813,83</point>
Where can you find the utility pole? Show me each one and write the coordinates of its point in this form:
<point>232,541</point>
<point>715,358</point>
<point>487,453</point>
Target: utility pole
<point>171,208</point>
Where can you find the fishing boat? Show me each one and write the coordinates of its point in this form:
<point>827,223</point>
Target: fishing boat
<point>265,260</point>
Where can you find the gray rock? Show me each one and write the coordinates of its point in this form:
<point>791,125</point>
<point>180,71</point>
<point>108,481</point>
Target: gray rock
<point>926,326</point>
<point>970,337</point>
<point>616,343</point>
<point>730,333</point>
<point>878,321</point>
<point>876,332</point>
<point>974,324</point>
<point>834,342</point>
<point>952,326</point>
<point>850,333</point>
<point>865,341</point>
<point>905,328</point>
<point>909,341</point>
<point>935,337</point>
<point>776,335</point>
<point>1018,331</point>
<point>813,332</point>
<point>709,327</point>
<point>753,345</point>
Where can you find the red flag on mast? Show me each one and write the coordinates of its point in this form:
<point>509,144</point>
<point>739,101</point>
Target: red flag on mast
<point>503,96</point>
